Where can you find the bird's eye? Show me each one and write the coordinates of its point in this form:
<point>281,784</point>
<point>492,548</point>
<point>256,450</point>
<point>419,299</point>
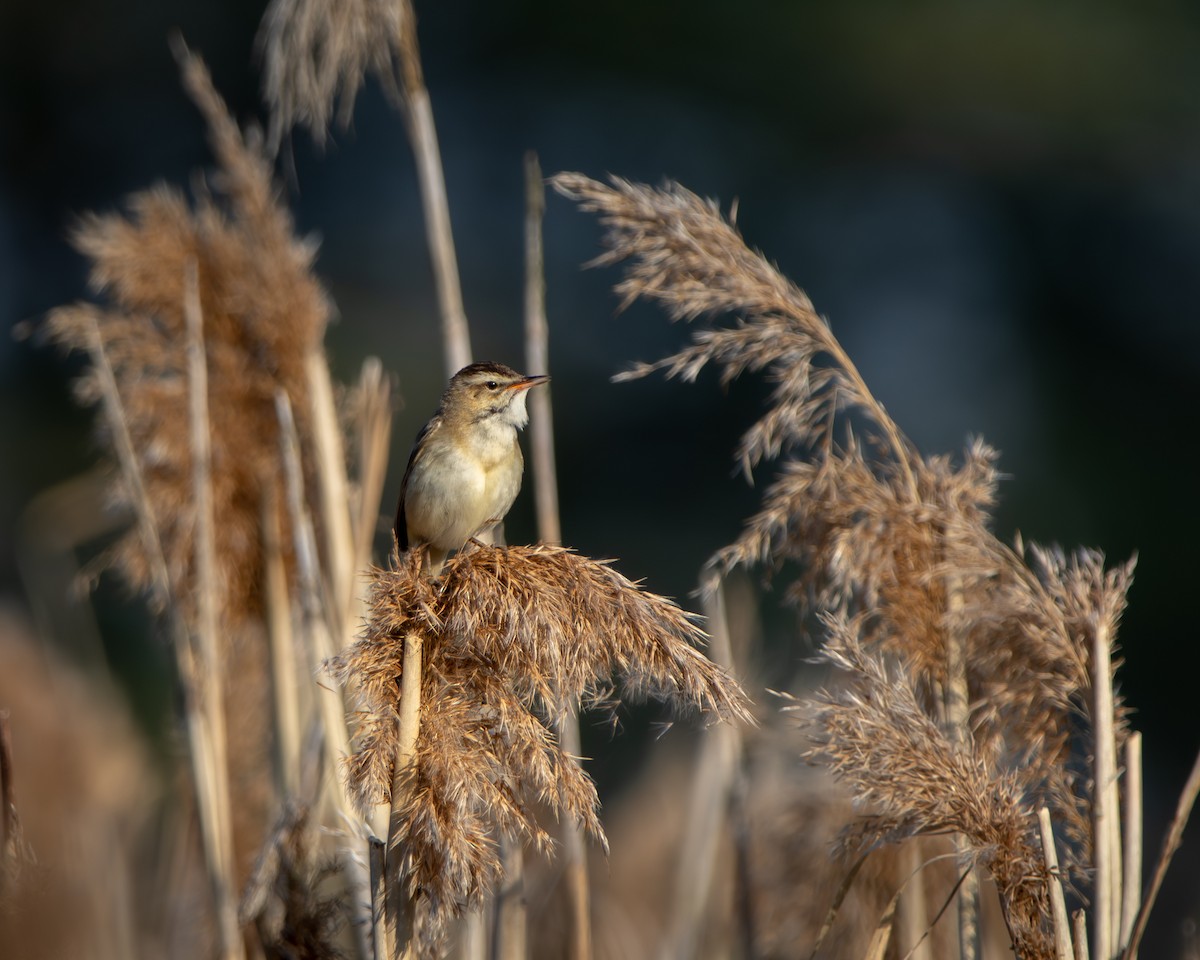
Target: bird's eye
<point>491,384</point>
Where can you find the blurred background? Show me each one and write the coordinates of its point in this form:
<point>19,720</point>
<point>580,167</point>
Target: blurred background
<point>997,205</point>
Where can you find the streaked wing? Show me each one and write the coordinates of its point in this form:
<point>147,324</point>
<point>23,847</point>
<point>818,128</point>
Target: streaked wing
<point>400,528</point>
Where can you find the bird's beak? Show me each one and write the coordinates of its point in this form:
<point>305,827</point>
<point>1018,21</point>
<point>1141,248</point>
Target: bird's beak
<point>529,382</point>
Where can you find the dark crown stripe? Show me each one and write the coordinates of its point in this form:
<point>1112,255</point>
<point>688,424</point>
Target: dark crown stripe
<point>486,367</point>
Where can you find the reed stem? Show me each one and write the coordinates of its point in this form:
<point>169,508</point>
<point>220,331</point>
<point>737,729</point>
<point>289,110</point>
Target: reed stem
<point>423,137</point>
<point>1105,809</point>
<point>1132,837</point>
<point>1058,905</point>
<point>209,676</point>
<point>399,917</point>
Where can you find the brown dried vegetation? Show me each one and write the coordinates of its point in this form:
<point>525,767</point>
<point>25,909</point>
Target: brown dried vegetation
<point>513,638</point>
<point>896,550</point>
<point>316,54</point>
<point>263,313</point>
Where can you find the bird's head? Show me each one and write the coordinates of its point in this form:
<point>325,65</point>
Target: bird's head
<point>484,390</point>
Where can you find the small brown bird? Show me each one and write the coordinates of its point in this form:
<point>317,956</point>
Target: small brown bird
<point>465,468</point>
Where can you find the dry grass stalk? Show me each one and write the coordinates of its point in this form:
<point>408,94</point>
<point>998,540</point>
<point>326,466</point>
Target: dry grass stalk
<point>264,315</point>
<point>200,735</point>
<point>545,492</point>
<point>716,772</point>
<point>381,944</point>
<point>1063,948</point>
<point>317,52</point>
<point>1132,836</point>
<point>1079,931</point>
<point>209,674</point>
<point>1106,906</point>
<point>513,638</point>
<point>332,485</point>
<point>1171,843</point>
<point>510,938</point>
<point>371,408</point>
<point>423,136</point>
<point>957,722</point>
<point>873,733</point>
<point>537,358</point>
<point>913,921</point>
<point>285,673</point>
<point>400,920</point>
<point>873,526</point>
<point>316,617</point>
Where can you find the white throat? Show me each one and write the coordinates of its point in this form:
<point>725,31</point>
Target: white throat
<point>516,414</point>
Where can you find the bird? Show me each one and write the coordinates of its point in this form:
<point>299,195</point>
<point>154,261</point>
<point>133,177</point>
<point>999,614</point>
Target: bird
<point>465,467</point>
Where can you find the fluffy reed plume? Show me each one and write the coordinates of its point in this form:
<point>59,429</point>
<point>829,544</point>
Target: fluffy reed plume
<point>214,322</point>
<point>263,313</point>
<point>997,641</point>
<point>513,639</point>
<point>316,54</point>
<point>909,778</point>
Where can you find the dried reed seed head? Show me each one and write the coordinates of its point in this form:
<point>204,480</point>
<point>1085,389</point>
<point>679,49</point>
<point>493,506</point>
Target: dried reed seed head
<point>909,779</point>
<point>903,538</point>
<point>682,254</point>
<point>316,53</point>
<point>263,314</point>
<point>513,638</point>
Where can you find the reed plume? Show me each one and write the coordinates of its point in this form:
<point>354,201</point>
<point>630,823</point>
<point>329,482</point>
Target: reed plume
<point>513,639</point>
<point>996,641</point>
<point>909,778</point>
<point>264,312</point>
<point>213,324</point>
<point>316,55</point>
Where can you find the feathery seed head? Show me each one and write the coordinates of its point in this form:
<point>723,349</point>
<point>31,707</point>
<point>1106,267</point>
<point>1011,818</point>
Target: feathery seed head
<point>263,313</point>
<point>513,638</point>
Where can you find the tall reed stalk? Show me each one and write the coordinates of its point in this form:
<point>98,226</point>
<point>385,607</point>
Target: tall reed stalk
<point>545,486</point>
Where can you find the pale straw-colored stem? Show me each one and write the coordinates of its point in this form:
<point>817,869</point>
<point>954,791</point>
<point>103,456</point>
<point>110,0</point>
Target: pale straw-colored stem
<point>575,875</point>
<point>958,727</point>
<point>332,488</point>
<point>319,646</point>
<point>537,357</point>
<point>545,489</point>
<point>1174,837</point>
<point>1079,928</point>
<point>374,439</point>
<point>1105,809</point>
<point>913,916</point>
<point>210,676</point>
<point>1058,905</point>
<point>473,935</point>
<point>511,935</point>
<point>285,676</point>
<point>381,947</point>
<point>708,807</point>
<point>130,467</point>
<point>432,179</point>
<point>199,738</point>
<point>1132,835</point>
<point>399,915</point>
